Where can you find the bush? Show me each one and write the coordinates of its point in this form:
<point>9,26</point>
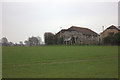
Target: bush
<point>112,40</point>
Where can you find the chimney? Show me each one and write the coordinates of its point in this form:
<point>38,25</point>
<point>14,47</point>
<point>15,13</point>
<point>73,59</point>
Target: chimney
<point>103,28</point>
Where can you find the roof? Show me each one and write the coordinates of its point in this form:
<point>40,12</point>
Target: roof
<point>67,30</point>
<point>118,27</point>
<point>85,31</point>
<point>48,33</point>
<point>112,27</point>
<point>63,30</point>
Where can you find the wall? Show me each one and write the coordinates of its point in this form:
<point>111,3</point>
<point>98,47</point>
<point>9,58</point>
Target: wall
<point>82,39</point>
<point>106,33</point>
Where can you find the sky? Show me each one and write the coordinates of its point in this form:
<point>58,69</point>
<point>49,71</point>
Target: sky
<point>22,19</point>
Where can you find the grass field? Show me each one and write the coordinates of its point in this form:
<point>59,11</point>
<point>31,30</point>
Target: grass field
<point>60,62</point>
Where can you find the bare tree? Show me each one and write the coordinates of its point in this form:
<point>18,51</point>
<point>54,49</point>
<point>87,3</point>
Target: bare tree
<point>21,43</point>
<point>33,41</point>
<point>27,43</point>
<point>4,41</point>
<point>39,40</point>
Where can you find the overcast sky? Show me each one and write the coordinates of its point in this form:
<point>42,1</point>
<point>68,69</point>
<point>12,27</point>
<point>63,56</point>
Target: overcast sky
<point>21,20</point>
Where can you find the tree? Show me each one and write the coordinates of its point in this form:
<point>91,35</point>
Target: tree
<point>21,43</point>
<point>4,41</point>
<point>56,39</point>
<point>116,38</point>
<point>108,40</point>
<point>113,39</point>
<point>11,43</point>
<point>60,40</point>
<point>27,43</point>
<point>39,40</point>
<point>49,38</point>
<point>33,41</point>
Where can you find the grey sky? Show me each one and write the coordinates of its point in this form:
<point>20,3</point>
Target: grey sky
<point>21,20</point>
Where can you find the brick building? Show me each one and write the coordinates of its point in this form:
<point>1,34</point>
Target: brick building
<point>109,32</point>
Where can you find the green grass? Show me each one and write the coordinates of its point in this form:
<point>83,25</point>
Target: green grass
<point>60,62</point>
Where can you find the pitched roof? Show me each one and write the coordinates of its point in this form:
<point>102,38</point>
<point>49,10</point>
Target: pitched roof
<point>118,27</point>
<point>63,30</point>
<point>85,31</point>
<point>111,27</point>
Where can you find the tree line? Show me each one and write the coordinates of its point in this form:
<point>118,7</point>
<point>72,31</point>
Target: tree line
<point>31,41</point>
<point>51,39</point>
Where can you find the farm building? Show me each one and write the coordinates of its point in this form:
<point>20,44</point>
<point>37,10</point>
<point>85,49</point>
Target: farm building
<point>78,35</point>
<point>109,31</point>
